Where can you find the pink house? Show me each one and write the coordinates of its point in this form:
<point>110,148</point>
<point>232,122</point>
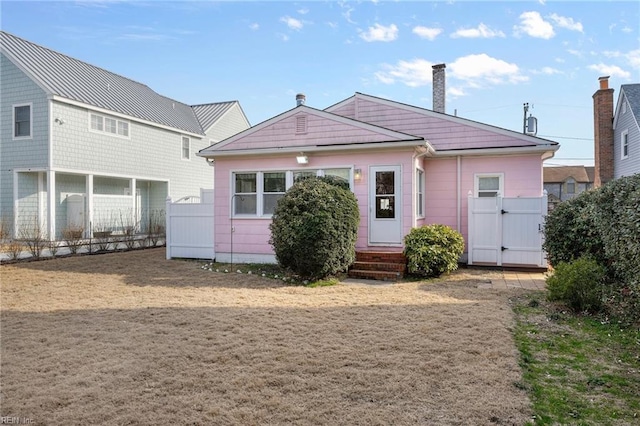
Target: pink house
<point>407,166</point>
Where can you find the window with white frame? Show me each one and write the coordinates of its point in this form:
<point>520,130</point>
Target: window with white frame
<point>186,147</point>
<point>22,121</point>
<point>624,144</point>
<point>419,193</point>
<point>256,194</point>
<point>570,185</point>
<point>109,125</point>
<point>489,185</point>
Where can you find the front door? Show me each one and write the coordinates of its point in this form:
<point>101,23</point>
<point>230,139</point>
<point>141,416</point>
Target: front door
<point>385,205</point>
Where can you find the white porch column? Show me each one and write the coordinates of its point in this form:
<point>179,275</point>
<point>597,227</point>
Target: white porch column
<point>89,206</point>
<point>42,212</point>
<point>134,199</point>
<point>51,203</point>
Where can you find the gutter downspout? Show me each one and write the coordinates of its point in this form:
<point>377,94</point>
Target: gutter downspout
<point>458,189</point>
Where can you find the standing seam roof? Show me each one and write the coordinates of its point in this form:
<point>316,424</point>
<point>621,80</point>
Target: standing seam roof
<point>82,82</point>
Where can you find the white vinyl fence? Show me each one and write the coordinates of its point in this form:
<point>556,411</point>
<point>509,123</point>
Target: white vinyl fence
<point>507,231</point>
<point>190,232</point>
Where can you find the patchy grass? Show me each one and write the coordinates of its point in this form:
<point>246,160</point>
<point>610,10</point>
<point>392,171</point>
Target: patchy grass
<point>268,270</point>
<point>578,370</point>
<point>133,338</point>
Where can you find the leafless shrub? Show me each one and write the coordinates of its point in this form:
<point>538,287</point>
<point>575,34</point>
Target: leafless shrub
<point>5,229</point>
<point>54,246</point>
<point>129,226</point>
<point>33,236</point>
<point>72,236</point>
<point>156,227</point>
<point>14,248</point>
<point>102,237</point>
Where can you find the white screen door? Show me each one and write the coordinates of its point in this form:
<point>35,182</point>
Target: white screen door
<point>385,205</point>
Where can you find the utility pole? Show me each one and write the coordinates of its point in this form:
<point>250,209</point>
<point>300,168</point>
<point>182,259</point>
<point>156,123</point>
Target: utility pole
<point>524,120</point>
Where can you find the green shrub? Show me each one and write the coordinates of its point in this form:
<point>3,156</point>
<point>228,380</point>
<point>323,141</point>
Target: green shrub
<point>315,227</point>
<point>571,230</point>
<point>579,284</point>
<point>432,250</point>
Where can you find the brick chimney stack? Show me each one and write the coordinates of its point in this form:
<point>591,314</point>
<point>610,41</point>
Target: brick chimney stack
<point>603,132</point>
<point>439,91</point>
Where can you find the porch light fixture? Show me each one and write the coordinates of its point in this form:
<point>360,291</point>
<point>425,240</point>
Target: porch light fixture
<point>302,159</point>
<point>357,174</point>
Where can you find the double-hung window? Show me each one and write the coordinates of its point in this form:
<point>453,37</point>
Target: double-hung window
<point>256,194</point>
<point>22,121</point>
<point>274,187</point>
<point>489,185</point>
<point>186,147</point>
<point>419,193</point>
<point>245,195</point>
<point>624,144</point>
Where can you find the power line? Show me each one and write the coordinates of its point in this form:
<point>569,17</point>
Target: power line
<point>565,137</point>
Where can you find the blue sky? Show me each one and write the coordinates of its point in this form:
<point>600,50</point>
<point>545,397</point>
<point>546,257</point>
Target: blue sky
<point>499,55</point>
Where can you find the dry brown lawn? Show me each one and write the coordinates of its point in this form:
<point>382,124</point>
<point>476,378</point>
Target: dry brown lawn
<point>131,338</point>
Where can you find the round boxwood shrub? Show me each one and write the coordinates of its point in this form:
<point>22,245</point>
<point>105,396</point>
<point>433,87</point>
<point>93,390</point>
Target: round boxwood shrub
<point>315,227</point>
<point>579,284</point>
<point>432,250</point>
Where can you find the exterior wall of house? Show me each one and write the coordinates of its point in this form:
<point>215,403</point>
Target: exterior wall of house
<point>251,235</point>
<point>149,153</point>
<point>28,153</point>
<point>522,178</point>
<point>559,189</point>
<point>626,123</point>
<point>231,123</point>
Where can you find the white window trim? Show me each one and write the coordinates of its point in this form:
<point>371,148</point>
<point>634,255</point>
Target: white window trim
<point>182,138</point>
<point>13,121</point>
<point>104,132</point>
<point>260,187</point>
<point>476,182</point>
<point>420,179</point>
<point>622,138</point>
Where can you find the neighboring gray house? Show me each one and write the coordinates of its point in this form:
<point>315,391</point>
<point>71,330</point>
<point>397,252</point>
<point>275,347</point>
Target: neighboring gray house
<point>626,132</point>
<point>616,135</point>
<point>83,147</point>
<point>565,182</point>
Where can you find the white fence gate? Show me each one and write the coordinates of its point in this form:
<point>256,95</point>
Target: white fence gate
<point>189,227</point>
<point>507,231</point>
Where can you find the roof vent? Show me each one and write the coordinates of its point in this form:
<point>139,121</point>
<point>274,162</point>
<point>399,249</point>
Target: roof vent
<point>300,99</point>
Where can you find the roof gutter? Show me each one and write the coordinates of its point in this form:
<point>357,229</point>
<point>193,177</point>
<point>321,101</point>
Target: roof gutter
<point>547,151</point>
<point>418,143</point>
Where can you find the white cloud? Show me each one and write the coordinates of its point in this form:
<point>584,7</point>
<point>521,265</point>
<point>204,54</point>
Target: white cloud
<point>610,70</point>
<point>482,31</point>
<point>634,58</point>
<point>283,37</point>
<point>455,92</point>
<point>380,33</point>
<point>482,69</point>
<point>293,23</point>
<point>568,23</point>
<point>255,26</point>
<point>547,71</point>
<point>532,24</point>
<point>627,30</point>
<point>426,32</point>
<point>303,11</point>
<point>414,73</point>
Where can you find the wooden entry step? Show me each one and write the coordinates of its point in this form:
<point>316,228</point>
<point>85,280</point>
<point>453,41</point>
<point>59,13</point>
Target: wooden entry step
<point>375,265</point>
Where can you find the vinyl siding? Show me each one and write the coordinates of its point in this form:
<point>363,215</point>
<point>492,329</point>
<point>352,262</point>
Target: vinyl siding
<point>231,123</point>
<point>17,88</point>
<point>630,165</point>
<point>149,152</point>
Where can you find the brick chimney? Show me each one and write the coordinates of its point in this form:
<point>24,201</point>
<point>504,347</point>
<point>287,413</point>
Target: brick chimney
<point>603,132</point>
<point>438,87</point>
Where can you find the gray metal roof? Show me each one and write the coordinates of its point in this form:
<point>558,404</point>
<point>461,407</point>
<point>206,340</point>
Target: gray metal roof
<point>79,81</point>
<point>208,114</point>
<point>632,93</point>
